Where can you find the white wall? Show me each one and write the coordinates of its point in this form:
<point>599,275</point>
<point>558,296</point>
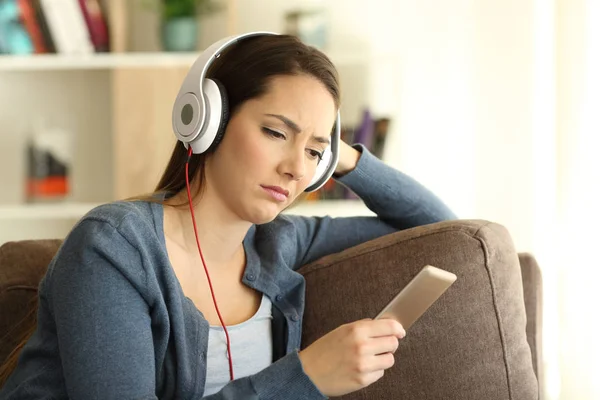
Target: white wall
<point>466,104</point>
<point>579,118</point>
<point>460,91</point>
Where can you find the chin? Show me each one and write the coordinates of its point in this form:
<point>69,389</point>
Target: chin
<point>259,214</point>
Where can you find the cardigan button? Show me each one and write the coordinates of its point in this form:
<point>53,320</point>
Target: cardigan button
<point>250,276</point>
<point>295,317</point>
<point>278,297</point>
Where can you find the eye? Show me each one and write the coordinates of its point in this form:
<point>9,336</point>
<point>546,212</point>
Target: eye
<point>314,154</point>
<point>273,133</point>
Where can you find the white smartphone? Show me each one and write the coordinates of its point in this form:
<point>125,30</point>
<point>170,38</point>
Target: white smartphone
<point>416,297</point>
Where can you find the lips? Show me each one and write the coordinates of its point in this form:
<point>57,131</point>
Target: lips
<point>278,189</point>
<point>277,193</point>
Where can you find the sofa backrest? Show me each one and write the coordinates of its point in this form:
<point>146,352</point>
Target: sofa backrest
<point>470,345</point>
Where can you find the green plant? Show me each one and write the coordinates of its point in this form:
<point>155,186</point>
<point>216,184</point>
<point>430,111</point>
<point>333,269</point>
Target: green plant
<point>170,9</point>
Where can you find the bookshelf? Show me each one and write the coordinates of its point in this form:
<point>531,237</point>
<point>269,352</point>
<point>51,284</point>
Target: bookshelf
<point>44,212</point>
<point>107,61</point>
<point>97,61</point>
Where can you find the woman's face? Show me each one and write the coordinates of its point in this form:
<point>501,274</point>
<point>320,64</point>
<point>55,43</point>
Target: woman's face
<point>271,148</point>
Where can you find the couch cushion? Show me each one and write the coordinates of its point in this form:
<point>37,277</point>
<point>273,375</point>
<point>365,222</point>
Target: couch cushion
<point>470,345</point>
<point>22,266</point>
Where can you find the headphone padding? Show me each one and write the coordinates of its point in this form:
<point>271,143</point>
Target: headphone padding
<point>224,116</point>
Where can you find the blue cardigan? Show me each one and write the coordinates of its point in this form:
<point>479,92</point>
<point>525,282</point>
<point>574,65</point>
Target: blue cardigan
<point>114,323</point>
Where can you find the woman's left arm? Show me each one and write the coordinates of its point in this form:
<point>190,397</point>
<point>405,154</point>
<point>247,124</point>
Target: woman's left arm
<point>399,201</point>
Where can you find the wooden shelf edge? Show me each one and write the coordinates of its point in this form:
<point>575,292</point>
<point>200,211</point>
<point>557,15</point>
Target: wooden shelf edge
<point>332,208</point>
<point>54,211</point>
<point>96,61</point>
<point>74,210</point>
<point>107,61</point>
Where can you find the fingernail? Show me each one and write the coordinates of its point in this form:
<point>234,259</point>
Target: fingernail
<point>402,334</point>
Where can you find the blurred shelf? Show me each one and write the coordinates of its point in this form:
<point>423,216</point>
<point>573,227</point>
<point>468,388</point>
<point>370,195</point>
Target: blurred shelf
<point>96,61</point>
<point>333,208</point>
<point>107,61</point>
<point>74,211</point>
<point>54,211</point>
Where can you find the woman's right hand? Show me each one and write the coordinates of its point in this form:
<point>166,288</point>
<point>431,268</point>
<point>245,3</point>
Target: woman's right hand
<point>352,356</point>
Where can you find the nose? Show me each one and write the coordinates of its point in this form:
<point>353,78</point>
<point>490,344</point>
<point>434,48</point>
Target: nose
<point>293,165</point>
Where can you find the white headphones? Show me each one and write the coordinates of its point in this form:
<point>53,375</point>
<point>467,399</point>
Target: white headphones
<point>201,111</point>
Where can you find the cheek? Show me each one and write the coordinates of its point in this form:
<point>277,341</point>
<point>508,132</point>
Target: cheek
<point>251,152</point>
<point>305,182</point>
<point>249,156</point>
<point>255,151</point>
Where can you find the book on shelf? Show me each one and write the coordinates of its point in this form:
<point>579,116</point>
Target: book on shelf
<point>53,26</point>
<point>49,161</point>
<point>371,132</point>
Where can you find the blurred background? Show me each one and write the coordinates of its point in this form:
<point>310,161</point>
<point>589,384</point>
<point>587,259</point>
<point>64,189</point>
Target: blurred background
<point>492,104</point>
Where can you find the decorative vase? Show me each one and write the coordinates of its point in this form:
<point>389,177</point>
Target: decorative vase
<point>180,34</point>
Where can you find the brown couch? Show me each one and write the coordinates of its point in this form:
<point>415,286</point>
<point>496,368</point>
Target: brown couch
<point>480,341</point>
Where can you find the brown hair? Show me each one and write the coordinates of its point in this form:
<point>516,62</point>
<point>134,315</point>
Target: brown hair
<point>245,70</point>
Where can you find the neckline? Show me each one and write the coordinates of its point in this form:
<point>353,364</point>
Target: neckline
<point>263,301</point>
<point>251,269</point>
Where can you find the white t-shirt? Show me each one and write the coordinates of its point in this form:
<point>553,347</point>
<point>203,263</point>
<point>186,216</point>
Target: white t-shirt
<point>251,349</point>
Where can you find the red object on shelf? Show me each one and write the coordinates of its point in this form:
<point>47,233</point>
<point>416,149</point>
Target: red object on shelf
<point>50,187</point>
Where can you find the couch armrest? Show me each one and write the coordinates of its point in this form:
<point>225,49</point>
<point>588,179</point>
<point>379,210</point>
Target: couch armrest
<point>471,344</point>
<point>533,291</point>
<point>22,266</point>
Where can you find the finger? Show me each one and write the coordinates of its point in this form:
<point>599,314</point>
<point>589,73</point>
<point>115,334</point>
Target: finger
<point>383,344</point>
<point>384,361</point>
<point>385,327</point>
<point>378,363</point>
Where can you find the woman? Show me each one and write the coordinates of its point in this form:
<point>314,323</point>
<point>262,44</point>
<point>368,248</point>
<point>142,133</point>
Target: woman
<point>125,309</point>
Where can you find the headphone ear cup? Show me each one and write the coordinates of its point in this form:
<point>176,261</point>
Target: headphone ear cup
<point>321,170</point>
<point>327,166</point>
<point>224,116</point>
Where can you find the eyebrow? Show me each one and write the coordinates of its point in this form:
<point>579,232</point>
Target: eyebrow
<point>294,127</point>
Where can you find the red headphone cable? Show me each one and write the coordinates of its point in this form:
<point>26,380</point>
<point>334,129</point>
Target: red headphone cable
<point>187,183</point>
